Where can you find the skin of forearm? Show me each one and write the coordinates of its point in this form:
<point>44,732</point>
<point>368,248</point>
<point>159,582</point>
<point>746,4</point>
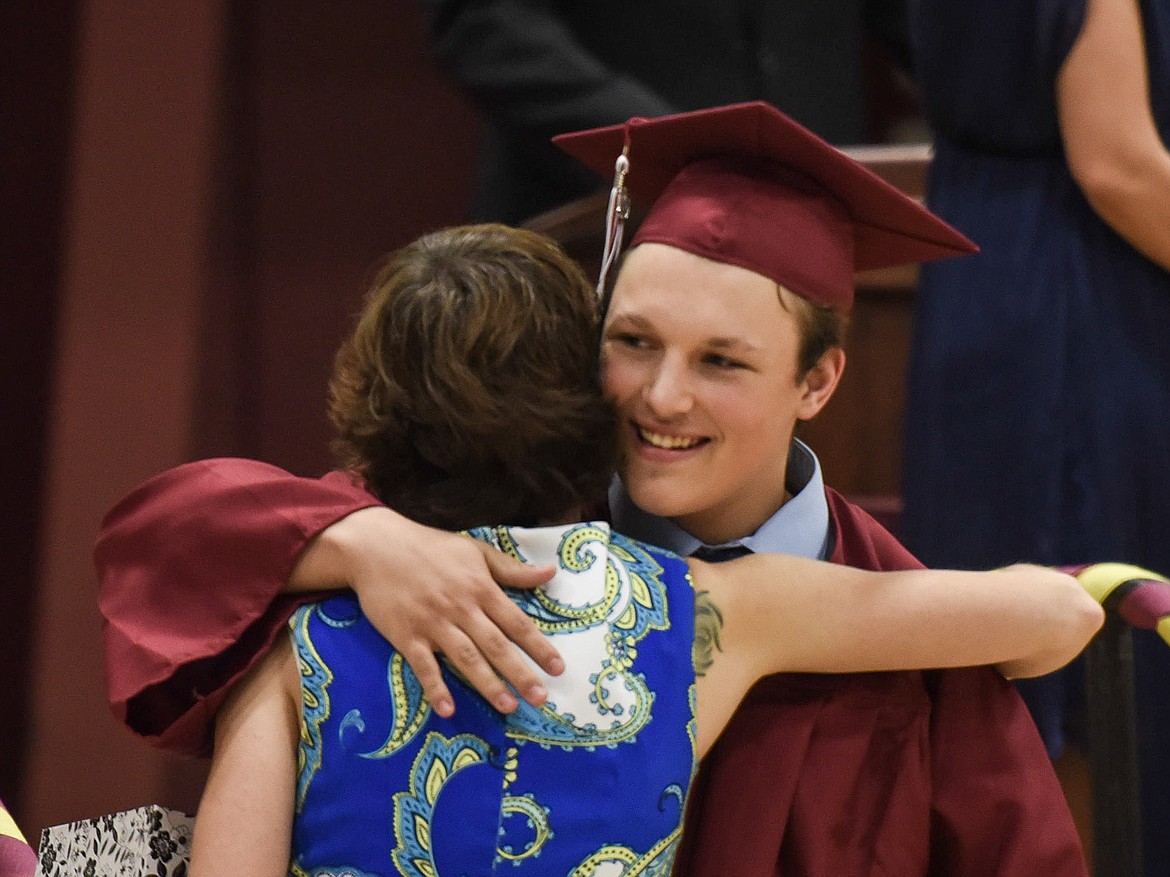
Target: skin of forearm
<point>317,569</point>
<point>324,564</point>
<point>1026,620</point>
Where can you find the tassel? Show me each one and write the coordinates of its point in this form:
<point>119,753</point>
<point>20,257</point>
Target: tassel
<point>616,214</point>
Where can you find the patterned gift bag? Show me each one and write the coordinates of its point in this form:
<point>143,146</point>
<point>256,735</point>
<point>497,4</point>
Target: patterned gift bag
<point>148,841</point>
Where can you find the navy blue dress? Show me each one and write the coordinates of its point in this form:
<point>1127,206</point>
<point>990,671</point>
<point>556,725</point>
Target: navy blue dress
<point>1038,422</point>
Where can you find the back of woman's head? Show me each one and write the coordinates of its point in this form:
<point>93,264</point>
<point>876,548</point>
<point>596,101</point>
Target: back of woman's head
<point>469,392</point>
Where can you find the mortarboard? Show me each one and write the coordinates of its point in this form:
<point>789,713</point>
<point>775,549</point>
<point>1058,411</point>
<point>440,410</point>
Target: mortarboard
<point>746,185</point>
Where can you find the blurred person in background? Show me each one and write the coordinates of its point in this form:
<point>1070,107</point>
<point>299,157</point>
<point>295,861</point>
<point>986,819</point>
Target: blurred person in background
<point>537,69</point>
<point>1038,416</point>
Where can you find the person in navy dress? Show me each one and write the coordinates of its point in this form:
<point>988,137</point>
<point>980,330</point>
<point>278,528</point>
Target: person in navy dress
<point>1039,391</point>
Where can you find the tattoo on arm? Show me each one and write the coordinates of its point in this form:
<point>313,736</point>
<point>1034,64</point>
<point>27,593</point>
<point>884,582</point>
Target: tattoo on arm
<point>708,627</point>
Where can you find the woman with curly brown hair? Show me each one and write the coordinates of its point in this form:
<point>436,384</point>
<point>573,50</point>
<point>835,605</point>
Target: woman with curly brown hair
<point>467,334</point>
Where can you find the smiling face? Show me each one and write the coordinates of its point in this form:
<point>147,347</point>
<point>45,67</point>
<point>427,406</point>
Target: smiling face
<point>700,359</point>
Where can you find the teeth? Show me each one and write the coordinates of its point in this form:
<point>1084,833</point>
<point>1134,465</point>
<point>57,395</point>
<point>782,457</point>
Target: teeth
<point>670,442</point>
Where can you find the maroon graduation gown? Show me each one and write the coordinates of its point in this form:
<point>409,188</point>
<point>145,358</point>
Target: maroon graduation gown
<point>898,774</point>
<point>879,774</point>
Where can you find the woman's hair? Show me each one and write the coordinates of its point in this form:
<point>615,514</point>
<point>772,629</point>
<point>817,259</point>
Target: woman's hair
<point>468,392</point>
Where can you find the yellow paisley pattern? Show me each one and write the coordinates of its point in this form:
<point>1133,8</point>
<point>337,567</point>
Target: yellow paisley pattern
<point>550,798</point>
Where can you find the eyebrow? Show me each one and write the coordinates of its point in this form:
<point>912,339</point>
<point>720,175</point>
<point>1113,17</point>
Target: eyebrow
<point>732,344</point>
<point>633,320</point>
<point>719,342</point>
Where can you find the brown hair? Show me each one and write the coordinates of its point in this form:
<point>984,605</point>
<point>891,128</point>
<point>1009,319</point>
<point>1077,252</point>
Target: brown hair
<point>821,328</point>
<point>469,392</point>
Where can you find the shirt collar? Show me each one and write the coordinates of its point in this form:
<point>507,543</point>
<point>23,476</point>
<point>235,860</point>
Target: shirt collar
<point>800,526</point>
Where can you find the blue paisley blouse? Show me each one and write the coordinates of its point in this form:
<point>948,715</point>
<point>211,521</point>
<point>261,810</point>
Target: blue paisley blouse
<point>593,783</point>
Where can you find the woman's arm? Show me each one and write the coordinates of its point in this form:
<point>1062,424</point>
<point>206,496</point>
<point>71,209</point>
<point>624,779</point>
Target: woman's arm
<point>1112,144</point>
<point>808,616</point>
<point>244,825</point>
<point>770,613</point>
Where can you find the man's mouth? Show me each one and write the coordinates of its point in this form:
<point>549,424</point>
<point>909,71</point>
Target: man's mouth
<point>668,442</point>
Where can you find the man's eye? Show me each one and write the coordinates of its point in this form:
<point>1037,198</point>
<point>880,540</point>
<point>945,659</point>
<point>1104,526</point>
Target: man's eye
<point>627,340</point>
<point>722,361</point>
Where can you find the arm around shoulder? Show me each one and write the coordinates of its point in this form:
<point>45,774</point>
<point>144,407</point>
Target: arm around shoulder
<point>188,563</point>
<point>427,591</point>
<point>789,614</point>
<point>192,529</point>
<point>772,613</point>
<point>194,562</point>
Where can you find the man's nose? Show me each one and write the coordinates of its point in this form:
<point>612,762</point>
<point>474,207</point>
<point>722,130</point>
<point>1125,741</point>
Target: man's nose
<point>668,392</point>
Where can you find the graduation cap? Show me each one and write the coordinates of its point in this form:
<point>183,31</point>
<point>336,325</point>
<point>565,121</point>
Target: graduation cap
<point>746,185</point>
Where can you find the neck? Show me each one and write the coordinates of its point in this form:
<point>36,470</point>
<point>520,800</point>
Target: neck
<point>714,528</point>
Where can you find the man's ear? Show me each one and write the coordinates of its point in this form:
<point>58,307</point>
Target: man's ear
<point>821,382</point>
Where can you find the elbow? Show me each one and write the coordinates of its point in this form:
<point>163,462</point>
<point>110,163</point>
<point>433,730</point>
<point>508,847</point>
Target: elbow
<point>1073,624</point>
<point>1111,179</point>
<point>1089,620</point>
<point>1083,618</point>
<point>1077,623</point>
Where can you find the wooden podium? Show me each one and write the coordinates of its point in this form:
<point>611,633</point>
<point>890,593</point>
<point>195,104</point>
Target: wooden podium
<point>858,436</point>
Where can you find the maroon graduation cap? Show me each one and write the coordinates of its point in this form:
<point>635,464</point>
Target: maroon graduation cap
<point>748,186</point>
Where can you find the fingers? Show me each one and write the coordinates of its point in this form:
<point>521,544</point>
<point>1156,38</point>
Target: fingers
<point>426,667</point>
<point>468,661</point>
<point>515,630</point>
<point>456,607</point>
<point>478,646</point>
<point>485,647</point>
<point>500,640</point>
<point>513,573</point>
<point>508,620</point>
<point>466,658</point>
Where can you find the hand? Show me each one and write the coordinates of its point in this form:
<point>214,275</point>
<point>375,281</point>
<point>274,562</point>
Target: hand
<point>429,591</point>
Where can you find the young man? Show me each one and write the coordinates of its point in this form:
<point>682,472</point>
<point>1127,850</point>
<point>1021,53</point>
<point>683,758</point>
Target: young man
<point>722,332</point>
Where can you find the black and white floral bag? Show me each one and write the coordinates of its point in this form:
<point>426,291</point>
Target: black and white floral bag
<point>148,841</point>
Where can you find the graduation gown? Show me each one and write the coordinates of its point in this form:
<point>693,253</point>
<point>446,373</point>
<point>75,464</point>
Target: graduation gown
<point>900,774</point>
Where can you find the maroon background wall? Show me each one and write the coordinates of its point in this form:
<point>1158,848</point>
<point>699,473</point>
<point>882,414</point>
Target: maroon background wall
<point>36,66</point>
<point>193,196</point>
